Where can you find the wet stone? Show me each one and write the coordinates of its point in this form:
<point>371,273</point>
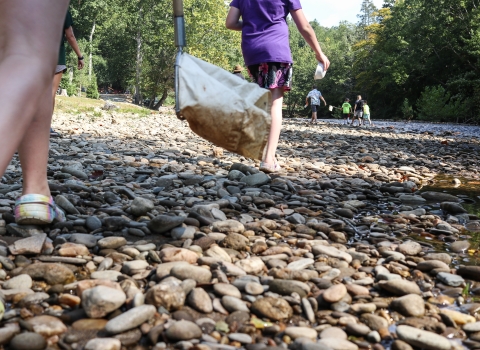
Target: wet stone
<point>459,246</point>
<point>183,330</point>
<point>450,279</point>
<point>28,341</point>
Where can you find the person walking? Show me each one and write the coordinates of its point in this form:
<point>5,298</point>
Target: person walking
<point>30,33</point>
<point>266,51</point>
<point>358,111</point>
<point>346,110</point>
<point>237,71</point>
<point>62,59</point>
<point>366,113</point>
<point>315,97</point>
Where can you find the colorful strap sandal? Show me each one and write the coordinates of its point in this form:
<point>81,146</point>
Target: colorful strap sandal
<point>37,209</point>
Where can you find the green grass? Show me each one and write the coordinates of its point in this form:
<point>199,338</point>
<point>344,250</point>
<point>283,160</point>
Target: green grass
<point>82,105</point>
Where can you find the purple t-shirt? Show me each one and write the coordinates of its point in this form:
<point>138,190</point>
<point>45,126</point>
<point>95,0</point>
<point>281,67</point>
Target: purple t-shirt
<point>265,29</point>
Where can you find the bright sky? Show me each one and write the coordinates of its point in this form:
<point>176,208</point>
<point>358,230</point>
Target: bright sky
<point>331,12</point>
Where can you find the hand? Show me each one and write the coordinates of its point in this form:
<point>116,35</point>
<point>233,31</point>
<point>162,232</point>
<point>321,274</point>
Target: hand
<point>81,64</point>
<point>323,59</point>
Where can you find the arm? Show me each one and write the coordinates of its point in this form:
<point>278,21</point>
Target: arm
<point>73,43</point>
<point>321,97</point>
<point>233,19</point>
<point>308,34</point>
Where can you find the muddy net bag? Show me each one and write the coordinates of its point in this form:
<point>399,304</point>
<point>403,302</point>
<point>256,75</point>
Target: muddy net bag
<point>222,108</point>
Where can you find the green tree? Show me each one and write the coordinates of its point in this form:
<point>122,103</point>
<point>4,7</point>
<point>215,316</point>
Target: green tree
<point>417,44</point>
<point>367,16</point>
<point>337,44</point>
<point>436,104</point>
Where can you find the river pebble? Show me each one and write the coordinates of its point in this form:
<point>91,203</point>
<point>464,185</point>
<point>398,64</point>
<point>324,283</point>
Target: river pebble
<point>171,242</point>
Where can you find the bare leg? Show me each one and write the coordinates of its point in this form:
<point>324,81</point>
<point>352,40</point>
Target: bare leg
<point>314,117</point>
<point>277,102</point>
<point>33,150</point>
<point>56,83</point>
<point>57,78</point>
<point>30,33</point>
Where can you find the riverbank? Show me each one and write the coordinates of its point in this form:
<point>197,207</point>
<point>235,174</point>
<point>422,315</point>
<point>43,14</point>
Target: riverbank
<point>171,242</point>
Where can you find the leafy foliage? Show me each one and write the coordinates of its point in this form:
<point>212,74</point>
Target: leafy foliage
<point>419,50</point>
<point>436,104</point>
<point>410,59</point>
<point>92,89</point>
<point>133,36</point>
<point>407,110</point>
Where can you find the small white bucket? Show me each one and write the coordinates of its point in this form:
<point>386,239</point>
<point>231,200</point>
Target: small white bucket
<point>330,108</point>
<point>320,71</point>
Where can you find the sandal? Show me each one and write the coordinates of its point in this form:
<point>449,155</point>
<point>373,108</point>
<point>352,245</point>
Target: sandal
<point>275,168</point>
<point>37,209</point>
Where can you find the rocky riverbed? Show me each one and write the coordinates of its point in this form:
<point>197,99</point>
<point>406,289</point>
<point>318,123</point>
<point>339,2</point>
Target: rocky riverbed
<point>173,243</point>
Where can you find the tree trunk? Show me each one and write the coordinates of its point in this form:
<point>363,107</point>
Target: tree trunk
<point>162,99</point>
<point>90,55</point>
<point>138,75</point>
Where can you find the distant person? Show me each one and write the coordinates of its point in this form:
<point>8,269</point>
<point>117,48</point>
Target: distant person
<point>358,111</point>
<point>68,35</point>
<point>346,110</point>
<point>366,113</point>
<point>315,97</point>
<point>237,71</point>
<point>267,54</point>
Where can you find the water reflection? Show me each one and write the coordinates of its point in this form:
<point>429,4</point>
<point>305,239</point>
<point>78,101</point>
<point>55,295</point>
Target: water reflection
<point>469,191</point>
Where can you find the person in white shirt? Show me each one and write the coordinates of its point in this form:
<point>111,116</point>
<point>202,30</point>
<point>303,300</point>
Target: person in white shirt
<point>315,97</point>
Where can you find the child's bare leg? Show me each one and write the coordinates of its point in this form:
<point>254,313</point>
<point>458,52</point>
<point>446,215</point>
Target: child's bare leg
<point>33,150</point>
<point>30,32</point>
<point>57,78</point>
<point>277,102</point>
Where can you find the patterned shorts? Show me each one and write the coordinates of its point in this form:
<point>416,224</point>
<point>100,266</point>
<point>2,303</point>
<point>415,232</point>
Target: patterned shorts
<point>272,75</point>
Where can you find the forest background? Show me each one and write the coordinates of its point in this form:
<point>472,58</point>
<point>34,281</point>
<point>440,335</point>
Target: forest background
<point>411,59</point>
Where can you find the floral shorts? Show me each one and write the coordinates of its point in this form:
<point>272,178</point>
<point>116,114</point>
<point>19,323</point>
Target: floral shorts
<point>272,75</point>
